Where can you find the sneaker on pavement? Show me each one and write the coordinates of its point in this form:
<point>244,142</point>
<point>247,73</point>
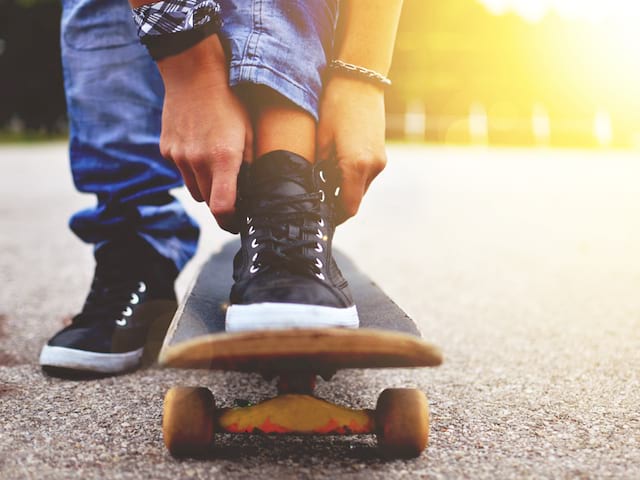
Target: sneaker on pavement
<point>131,299</point>
<point>285,275</point>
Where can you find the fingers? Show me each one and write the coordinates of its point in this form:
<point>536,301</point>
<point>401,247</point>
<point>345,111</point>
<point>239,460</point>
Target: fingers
<point>212,177</point>
<point>351,194</point>
<point>359,167</point>
<point>184,168</point>
<point>358,171</point>
<point>324,140</point>
<point>191,183</point>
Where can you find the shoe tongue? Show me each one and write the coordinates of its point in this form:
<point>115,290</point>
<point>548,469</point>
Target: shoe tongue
<point>281,174</point>
<point>121,258</point>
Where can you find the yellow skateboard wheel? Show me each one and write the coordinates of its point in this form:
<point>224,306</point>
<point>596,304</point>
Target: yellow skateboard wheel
<point>187,421</point>
<point>402,422</point>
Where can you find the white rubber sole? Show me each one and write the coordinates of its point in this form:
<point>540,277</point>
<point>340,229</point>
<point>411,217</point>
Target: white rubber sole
<point>62,357</point>
<point>281,316</point>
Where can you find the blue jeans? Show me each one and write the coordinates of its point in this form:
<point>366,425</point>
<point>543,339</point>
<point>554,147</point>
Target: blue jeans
<point>114,100</point>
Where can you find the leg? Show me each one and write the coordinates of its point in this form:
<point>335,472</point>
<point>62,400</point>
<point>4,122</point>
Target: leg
<point>279,124</point>
<point>285,273</point>
<point>114,96</point>
<point>142,234</point>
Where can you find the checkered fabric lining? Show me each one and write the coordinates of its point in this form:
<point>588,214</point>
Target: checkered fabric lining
<point>173,16</point>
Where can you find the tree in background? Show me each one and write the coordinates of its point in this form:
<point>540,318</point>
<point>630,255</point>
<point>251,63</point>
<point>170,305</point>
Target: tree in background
<point>31,88</point>
<point>453,57</point>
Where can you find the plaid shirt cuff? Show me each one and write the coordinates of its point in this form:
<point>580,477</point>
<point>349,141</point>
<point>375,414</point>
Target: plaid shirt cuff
<point>173,16</point>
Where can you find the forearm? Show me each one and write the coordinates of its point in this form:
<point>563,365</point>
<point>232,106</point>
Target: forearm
<point>367,32</point>
<point>203,64</point>
<point>200,61</point>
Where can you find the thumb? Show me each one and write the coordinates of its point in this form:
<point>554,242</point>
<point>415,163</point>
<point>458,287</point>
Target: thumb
<point>325,141</point>
<point>351,192</point>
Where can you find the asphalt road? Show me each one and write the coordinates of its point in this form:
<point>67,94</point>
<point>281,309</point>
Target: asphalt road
<point>523,265</point>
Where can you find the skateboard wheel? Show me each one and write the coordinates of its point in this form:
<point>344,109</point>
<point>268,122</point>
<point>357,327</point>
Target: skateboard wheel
<point>187,421</point>
<point>402,422</point>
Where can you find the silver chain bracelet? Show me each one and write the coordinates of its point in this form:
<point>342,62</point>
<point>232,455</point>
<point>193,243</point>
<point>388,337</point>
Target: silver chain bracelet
<point>371,75</point>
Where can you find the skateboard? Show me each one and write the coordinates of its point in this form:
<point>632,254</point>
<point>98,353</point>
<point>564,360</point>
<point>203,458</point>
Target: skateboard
<point>387,338</point>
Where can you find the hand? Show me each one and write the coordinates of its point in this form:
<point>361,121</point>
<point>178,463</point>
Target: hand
<point>206,131</point>
<point>352,129</point>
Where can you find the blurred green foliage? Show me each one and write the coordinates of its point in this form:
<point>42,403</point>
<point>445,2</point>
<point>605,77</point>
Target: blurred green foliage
<point>451,57</point>
<point>453,54</point>
<point>31,92</point>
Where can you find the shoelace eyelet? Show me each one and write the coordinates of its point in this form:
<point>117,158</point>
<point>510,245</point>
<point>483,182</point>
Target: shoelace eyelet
<point>122,322</point>
<point>135,299</point>
<point>255,243</point>
<point>142,287</point>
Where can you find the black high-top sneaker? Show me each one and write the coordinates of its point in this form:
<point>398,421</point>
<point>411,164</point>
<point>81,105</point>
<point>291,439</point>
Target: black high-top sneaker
<point>285,275</point>
<point>131,299</point>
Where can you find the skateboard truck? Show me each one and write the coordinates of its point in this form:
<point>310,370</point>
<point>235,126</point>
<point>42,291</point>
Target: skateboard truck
<point>302,383</point>
<point>400,420</point>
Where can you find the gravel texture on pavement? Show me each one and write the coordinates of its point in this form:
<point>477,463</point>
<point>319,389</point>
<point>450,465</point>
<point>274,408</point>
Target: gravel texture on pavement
<point>523,265</point>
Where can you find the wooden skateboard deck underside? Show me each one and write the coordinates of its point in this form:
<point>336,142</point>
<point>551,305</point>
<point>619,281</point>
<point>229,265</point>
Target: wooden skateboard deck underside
<point>387,337</point>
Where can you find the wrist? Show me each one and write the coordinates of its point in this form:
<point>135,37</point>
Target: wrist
<point>346,90</point>
<point>203,64</point>
<point>365,33</point>
<point>359,72</point>
<point>170,27</point>
<point>379,62</point>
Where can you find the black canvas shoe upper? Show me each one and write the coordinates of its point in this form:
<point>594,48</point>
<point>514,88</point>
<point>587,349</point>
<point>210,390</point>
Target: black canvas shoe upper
<point>132,285</point>
<point>287,206</point>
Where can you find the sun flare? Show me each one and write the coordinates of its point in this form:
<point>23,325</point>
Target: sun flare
<point>593,45</point>
<point>625,12</point>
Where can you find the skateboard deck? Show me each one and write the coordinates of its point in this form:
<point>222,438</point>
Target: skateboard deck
<point>387,338</point>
